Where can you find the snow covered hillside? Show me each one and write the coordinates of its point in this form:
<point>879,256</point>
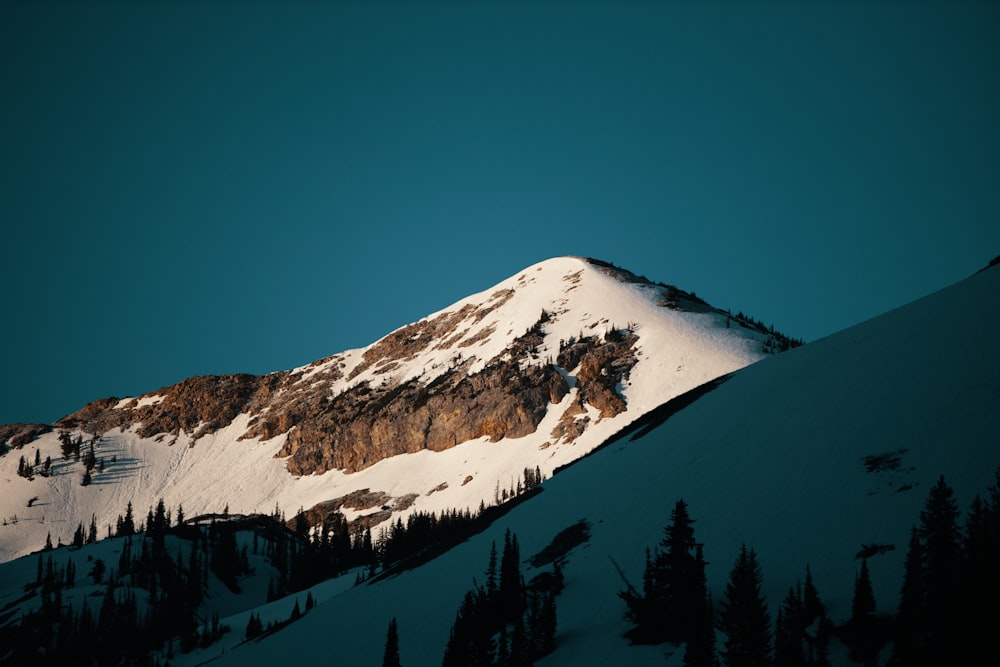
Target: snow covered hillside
<point>536,371</point>
<point>775,457</point>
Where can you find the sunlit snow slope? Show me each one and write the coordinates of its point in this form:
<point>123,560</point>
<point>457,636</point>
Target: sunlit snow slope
<point>681,343</point>
<point>772,457</point>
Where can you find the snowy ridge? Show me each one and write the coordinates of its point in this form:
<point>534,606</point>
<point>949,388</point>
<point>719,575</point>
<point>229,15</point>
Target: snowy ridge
<point>773,457</point>
<point>676,351</point>
<point>581,300</point>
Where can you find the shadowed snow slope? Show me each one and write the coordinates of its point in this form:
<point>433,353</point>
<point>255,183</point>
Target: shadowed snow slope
<point>445,414</point>
<point>773,457</point>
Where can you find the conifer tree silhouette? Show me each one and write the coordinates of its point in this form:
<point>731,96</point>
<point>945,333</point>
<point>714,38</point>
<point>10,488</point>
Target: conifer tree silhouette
<point>743,615</point>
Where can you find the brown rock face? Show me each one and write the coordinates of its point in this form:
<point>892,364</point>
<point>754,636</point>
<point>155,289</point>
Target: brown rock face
<point>363,425</point>
<point>198,405</point>
<point>18,435</point>
<point>202,404</point>
<point>603,364</point>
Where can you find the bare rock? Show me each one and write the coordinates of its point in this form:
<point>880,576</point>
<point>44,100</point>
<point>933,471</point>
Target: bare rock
<point>18,435</point>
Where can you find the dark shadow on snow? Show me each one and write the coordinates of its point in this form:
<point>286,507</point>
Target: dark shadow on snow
<point>655,418</point>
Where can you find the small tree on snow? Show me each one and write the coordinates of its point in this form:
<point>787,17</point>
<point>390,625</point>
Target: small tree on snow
<point>391,656</point>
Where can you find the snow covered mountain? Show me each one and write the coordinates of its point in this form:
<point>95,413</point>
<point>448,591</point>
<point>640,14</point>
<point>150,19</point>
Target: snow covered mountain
<point>806,457</point>
<point>446,412</point>
<point>812,458</point>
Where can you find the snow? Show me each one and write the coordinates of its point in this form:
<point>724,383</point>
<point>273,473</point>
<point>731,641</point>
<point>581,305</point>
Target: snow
<point>772,457</point>
<point>676,351</point>
<point>140,401</point>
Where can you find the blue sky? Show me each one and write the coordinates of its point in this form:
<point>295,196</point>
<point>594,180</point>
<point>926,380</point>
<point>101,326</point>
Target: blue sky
<point>193,188</point>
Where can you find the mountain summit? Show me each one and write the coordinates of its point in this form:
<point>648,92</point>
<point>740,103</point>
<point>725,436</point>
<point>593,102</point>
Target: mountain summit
<point>823,461</point>
<point>446,412</point>
<point>849,459</point>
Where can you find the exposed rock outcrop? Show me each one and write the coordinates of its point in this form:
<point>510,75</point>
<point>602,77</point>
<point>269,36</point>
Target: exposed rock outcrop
<point>601,364</point>
<point>197,406</point>
<point>18,435</point>
<point>365,425</point>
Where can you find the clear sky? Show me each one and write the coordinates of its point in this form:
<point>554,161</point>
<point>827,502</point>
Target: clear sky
<point>190,187</point>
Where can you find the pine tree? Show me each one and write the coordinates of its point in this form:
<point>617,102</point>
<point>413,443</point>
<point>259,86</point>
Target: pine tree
<point>78,537</point>
<point>106,615</point>
<point>743,616</point>
<point>492,601</point>
<point>390,657</point>
<point>126,525</point>
<point>789,632</point>
<point>97,571</point>
<point>699,650</point>
<point>519,645</point>
<point>470,643</point>
<point>941,539</point>
<point>510,590</point>
<point>677,577</point>
<point>812,607</point>
<point>910,619</point>
<point>673,592</point>
<point>66,444</point>
<point>159,522</point>
<point>863,603</point>
<point>547,624</point>
<point>254,626</point>
<point>271,594</point>
<point>980,577</point>
<point>865,633</point>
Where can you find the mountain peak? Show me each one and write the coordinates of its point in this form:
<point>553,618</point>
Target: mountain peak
<point>444,412</point>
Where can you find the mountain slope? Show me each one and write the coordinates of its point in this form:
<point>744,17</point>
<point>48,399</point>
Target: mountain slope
<point>445,412</point>
<point>775,456</point>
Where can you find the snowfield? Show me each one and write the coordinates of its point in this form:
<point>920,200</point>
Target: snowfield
<point>773,457</point>
<point>676,351</point>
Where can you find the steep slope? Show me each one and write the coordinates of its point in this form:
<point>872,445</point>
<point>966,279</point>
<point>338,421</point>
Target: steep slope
<point>775,456</point>
<point>445,412</point>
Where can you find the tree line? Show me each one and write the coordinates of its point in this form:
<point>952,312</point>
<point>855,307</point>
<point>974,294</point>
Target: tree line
<point>151,604</point>
<point>951,567</point>
<point>505,622</point>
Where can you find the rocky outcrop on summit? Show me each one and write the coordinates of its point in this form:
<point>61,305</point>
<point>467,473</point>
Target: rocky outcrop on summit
<point>438,332</point>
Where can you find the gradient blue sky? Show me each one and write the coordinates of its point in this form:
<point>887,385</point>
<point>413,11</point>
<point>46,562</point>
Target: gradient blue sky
<point>210,187</point>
